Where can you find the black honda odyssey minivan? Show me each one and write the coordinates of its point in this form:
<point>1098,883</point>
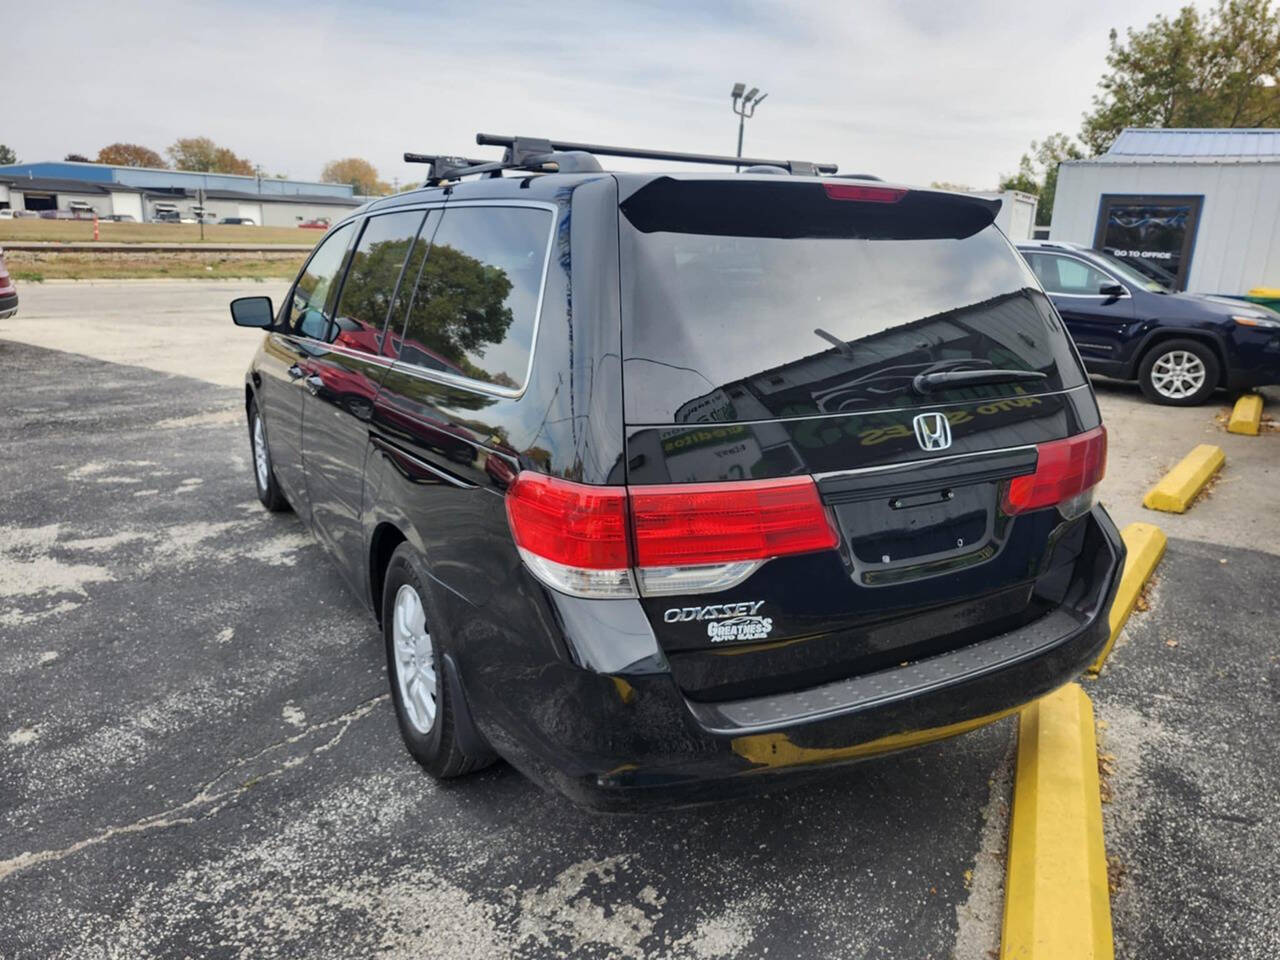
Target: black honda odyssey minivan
<point>663,484</point>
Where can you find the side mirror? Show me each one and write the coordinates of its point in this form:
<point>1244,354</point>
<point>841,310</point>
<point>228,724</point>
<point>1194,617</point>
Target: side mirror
<point>1112,290</point>
<point>252,312</point>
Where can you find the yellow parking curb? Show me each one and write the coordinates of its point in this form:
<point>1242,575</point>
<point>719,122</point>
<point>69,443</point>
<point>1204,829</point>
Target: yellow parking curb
<point>1246,416</point>
<point>1144,544</point>
<point>1056,902</point>
<point>1178,487</point>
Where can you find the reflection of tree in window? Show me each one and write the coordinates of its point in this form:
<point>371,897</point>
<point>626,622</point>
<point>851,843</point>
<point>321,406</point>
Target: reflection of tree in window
<point>366,296</point>
<point>460,309</point>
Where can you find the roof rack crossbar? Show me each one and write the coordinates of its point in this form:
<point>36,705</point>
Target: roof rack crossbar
<point>796,167</point>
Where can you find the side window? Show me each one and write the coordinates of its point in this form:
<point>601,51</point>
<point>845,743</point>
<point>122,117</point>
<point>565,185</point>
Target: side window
<point>371,281</point>
<point>307,313</point>
<point>476,298</point>
<point>1065,275</point>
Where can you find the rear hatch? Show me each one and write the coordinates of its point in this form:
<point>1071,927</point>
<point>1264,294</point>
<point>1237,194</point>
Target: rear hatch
<point>790,350</point>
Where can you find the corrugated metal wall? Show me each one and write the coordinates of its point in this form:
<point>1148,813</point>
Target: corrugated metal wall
<point>1237,245</point>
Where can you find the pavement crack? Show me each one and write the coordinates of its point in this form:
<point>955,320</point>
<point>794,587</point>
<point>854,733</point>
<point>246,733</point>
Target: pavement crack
<point>216,794</point>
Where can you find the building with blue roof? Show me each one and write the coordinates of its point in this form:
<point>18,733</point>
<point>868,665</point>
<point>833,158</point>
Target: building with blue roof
<point>68,188</point>
<point>1196,209</point>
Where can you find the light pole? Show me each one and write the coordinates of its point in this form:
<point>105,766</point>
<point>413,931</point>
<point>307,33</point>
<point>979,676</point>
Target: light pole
<point>744,105</point>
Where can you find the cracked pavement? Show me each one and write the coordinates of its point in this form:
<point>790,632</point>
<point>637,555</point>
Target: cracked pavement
<point>198,757</point>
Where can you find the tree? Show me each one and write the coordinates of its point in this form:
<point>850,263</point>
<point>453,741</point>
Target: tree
<point>1216,70</point>
<point>130,155</point>
<point>77,158</point>
<point>1038,172</point>
<point>361,174</point>
<point>204,156</point>
<point>953,187</point>
<point>7,156</point>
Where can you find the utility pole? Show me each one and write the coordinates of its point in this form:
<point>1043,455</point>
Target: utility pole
<point>744,105</point>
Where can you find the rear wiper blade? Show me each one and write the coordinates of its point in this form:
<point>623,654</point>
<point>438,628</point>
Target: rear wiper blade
<point>926,382</point>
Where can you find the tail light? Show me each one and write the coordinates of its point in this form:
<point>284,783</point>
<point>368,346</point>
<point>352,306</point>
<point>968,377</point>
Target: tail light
<point>1066,473</point>
<point>679,538</point>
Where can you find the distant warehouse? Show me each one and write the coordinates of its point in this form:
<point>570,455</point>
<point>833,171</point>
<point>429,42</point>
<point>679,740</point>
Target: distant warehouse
<point>1196,210</point>
<point>143,194</point>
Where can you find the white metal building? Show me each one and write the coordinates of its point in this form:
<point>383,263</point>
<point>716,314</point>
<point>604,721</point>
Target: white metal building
<point>1197,209</point>
<point>137,192</point>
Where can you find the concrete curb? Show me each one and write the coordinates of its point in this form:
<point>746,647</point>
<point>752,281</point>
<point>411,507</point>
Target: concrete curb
<point>1178,487</point>
<point>1144,543</point>
<point>1057,904</point>
<point>1246,416</point>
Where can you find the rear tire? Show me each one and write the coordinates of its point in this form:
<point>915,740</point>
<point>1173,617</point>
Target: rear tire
<point>1179,373</point>
<point>416,641</point>
<point>264,475</point>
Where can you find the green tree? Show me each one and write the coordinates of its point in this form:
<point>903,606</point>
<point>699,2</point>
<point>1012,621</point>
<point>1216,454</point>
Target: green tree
<point>77,158</point>
<point>203,155</point>
<point>130,155</point>
<point>1038,172</point>
<point>1219,69</point>
<point>7,156</point>
<point>360,173</point>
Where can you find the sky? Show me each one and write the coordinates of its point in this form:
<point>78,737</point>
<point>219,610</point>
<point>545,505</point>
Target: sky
<point>912,91</point>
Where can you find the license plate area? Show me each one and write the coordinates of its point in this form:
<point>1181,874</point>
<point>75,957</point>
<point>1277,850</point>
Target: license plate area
<point>923,519</point>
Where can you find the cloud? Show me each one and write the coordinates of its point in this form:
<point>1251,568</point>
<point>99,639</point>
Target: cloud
<point>912,90</point>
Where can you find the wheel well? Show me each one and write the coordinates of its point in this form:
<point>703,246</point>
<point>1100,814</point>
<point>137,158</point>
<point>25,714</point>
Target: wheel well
<point>248,398</point>
<point>386,537</point>
<point>1207,340</point>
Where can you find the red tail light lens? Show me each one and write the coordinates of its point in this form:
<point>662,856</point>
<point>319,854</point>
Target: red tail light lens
<point>571,524</point>
<point>863,193</point>
<point>711,523</point>
<point>681,537</point>
<point>1065,469</point>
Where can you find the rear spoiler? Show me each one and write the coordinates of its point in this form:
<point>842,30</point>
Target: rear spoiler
<point>788,210</point>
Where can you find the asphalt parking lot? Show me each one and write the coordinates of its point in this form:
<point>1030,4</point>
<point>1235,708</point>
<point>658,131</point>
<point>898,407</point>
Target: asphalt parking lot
<point>198,758</point>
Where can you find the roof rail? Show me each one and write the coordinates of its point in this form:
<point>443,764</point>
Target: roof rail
<point>794,167</point>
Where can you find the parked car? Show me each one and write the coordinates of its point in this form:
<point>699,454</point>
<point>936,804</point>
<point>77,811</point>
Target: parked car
<point>166,216</point>
<point>243,221</point>
<point>6,213</point>
<point>1180,347</point>
<point>662,486</point>
<point>26,214</point>
<point>8,292</point>
<point>121,218</point>
<point>319,223</point>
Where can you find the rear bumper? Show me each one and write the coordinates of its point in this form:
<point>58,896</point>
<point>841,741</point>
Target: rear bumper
<point>633,740</point>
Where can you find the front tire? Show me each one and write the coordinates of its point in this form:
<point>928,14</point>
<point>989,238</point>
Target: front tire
<point>264,475</point>
<point>413,632</point>
<point>1179,373</point>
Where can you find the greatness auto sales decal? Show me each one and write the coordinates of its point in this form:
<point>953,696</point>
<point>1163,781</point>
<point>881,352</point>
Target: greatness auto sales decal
<point>727,621</point>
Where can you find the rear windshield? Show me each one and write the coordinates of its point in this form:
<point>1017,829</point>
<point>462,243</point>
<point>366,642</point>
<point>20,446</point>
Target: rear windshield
<point>726,327</point>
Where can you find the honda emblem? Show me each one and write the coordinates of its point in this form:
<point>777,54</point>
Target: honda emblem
<point>933,431</point>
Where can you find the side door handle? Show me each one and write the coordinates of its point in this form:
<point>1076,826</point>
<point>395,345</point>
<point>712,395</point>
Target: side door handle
<point>295,372</point>
<point>314,383</point>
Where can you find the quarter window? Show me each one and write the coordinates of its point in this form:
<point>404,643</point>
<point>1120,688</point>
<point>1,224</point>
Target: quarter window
<point>311,308</point>
<point>371,281</point>
<point>476,299</point>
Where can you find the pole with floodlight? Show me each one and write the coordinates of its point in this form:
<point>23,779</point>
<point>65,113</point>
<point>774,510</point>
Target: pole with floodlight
<point>744,105</point>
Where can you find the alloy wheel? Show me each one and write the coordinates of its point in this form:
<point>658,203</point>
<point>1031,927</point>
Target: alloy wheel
<point>1178,374</point>
<point>414,660</point>
<point>260,464</point>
